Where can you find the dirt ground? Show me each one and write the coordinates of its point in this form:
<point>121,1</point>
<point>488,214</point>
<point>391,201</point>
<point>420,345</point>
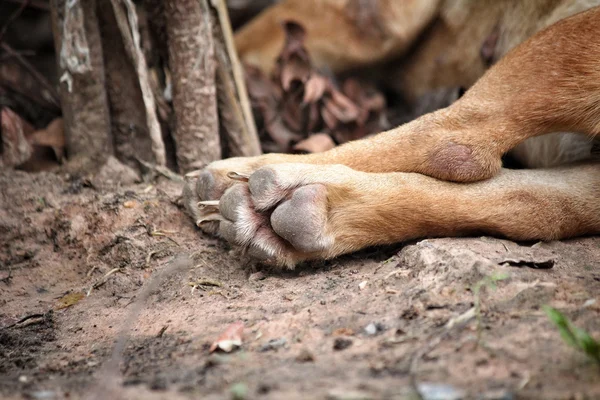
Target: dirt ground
<point>76,256</point>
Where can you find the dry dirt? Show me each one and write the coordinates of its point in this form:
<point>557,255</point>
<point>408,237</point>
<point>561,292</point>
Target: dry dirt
<point>75,258</point>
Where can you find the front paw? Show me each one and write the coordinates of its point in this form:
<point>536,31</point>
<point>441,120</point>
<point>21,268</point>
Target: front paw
<point>281,215</point>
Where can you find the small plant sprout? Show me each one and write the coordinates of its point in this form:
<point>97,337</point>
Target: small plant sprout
<point>489,282</point>
<point>574,336</point>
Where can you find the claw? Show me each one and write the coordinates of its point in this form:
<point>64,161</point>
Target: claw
<point>208,203</point>
<point>237,176</point>
<point>209,217</point>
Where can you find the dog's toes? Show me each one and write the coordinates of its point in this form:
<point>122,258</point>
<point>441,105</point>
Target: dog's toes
<point>210,184</point>
<point>302,219</point>
<point>266,188</point>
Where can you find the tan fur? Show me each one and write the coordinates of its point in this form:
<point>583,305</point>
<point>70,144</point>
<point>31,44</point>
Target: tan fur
<point>336,38</point>
<point>440,175</point>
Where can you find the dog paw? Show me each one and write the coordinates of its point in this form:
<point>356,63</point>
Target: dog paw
<point>280,216</point>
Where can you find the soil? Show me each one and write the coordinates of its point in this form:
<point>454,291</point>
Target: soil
<point>76,258</point>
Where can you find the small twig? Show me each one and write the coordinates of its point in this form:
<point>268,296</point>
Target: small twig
<point>12,18</point>
<point>206,282</point>
<point>34,72</point>
<point>26,318</point>
<point>238,75</point>
<point>102,281</point>
<point>91,271</point>
<point>164,171</point>
<point>162,233</point>
<point>217,293</point>
<point>397,272</point>
<point>39,4</point>
<point>149,257</point>
<point>128,26</point>
<point>162,331</point>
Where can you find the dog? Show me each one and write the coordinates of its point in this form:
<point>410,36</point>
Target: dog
<point>440,174</point>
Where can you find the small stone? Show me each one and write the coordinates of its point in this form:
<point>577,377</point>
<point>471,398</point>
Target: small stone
<point>257,276</point>
<point>273,344</point>
<point>341,343</point>
<point>371,329</point>
<point>305,356</point>
<point>374,328</point>
<point>130,204</point>
<point>439,391</point>
<point>43,395</point>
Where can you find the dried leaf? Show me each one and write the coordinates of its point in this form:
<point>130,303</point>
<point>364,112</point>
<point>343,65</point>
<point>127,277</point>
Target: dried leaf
<point>230,339</point>
<point>317,143</point>
<point>329,118</point>
<point>342,107</point>
<point>315,88</point>
<point>343,332</point>
<point>130,204</point>
<point>298,100</point>
<point>69,300</point>
<point>16,149</point>
<point>281,135</point>
<point>293,113</point>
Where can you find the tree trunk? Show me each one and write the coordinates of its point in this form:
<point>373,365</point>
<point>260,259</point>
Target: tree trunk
<point>82,93</point>
<point>192,64</point>
<point>235,111</point>
<point>132,114</point>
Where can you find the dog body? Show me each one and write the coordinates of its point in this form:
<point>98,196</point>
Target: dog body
<point>439,175</point>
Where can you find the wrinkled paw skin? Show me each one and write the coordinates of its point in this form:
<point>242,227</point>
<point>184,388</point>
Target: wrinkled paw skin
<point>279,216</point>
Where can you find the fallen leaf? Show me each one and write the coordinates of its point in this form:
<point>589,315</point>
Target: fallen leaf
<point>16,149</point>
<point>330,120</point>
<point>298,100</point>
<point>343,332</point>
<point>316,143</point>
<point>230,339</point>
<point>69,300</point>
<point>314,88</point>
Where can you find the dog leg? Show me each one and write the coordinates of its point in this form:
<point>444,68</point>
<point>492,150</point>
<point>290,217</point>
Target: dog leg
<point>550,83</point>
<point>287,213</point>
<point>341,34</point>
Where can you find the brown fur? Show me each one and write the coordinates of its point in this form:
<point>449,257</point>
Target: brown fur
<point>440,175</point>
